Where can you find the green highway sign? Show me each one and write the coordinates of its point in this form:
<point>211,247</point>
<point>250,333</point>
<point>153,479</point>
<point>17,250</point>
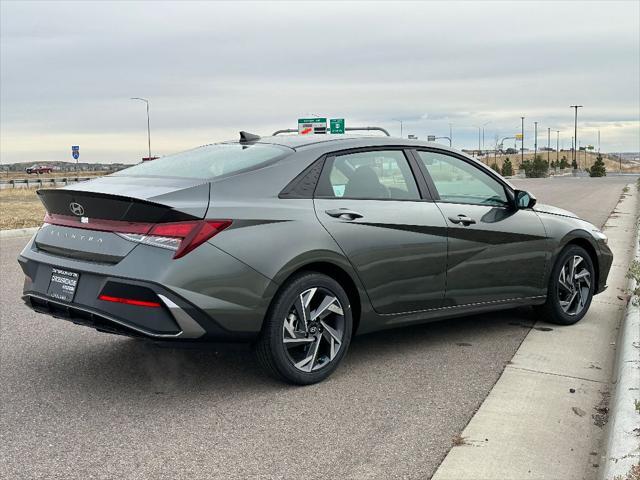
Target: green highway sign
<point>336,125</point>
<point>312,125</point>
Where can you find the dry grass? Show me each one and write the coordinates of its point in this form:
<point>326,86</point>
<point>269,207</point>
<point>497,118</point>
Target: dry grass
<point>458,441</point>
<point>20,208</point>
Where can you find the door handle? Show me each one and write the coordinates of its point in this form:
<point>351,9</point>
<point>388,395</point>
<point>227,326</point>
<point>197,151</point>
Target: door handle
<point>463,219</point>
<point>343,214</point>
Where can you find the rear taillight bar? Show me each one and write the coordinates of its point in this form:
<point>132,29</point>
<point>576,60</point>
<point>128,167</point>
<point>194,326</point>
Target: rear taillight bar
<point>128,301</point>
<point>189,234</point>
<point>118,226</point>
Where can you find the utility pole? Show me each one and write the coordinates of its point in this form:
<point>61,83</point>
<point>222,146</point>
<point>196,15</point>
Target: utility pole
<point>148,123</point>
<point>548,145</point>
<point>483,125</point>
<point>575,133</point>
<point>557,146</point>
<point>396,120</point>
<point>522,149</point>
<point>535,141</point>
<point>598,140</point>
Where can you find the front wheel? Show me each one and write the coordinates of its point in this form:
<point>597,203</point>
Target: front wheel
<point>307,330</point>
<point>571,287</point>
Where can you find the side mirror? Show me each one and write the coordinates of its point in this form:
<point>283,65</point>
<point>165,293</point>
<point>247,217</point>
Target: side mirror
<point>524,199</point>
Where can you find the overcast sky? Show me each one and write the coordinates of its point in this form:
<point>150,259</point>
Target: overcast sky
<point>211,69</point>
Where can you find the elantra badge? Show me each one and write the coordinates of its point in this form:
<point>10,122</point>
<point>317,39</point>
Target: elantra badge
<point>76,209</point>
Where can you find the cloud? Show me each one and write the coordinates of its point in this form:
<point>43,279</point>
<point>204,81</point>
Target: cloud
<point>67,70</point>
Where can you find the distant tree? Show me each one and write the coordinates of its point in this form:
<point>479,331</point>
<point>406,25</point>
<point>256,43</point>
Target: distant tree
<point>563,162</point>
<point>598,168</point>
<point>553,164</point>
<point>495,166</point>
<point>507,168</point>
<point>536,168</point>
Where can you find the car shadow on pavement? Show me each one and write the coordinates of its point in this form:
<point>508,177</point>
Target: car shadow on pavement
<point>130,365</point>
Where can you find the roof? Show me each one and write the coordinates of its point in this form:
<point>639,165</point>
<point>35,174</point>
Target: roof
<point>349,140</point>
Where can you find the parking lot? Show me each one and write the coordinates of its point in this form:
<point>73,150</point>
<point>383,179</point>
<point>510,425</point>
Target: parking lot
<point>80,404</point>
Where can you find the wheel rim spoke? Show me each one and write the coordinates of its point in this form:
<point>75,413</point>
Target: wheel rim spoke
<point>324,305</point>
<point>291,342</point>
<point>574,285</point>
<point>314,329</point>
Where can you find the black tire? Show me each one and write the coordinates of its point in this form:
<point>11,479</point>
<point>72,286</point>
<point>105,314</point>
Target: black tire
<point>551,310</point>
<point>275,358</point>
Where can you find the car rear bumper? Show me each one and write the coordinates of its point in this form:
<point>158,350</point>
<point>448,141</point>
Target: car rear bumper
<point>192,298</point>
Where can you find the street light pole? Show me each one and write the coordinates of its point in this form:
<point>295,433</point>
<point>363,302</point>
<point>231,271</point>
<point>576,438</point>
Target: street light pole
<point>450,135</point>
<point>548,145</point>
<point>522,149</point>
<point>483,125</point>
<point>535,141</point>
<point>148,122</point>
<point>557,146</point>
<point>575,133</point>
<point>400,126</point>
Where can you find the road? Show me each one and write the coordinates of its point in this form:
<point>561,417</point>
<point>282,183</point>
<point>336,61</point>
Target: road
<point>81,404</point>
<point>590,198</point>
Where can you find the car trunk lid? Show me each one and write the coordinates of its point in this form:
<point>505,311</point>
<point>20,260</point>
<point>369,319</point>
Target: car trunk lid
<point>87,221</point>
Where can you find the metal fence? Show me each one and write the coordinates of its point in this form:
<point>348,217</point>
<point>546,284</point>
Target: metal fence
<point>41,181</point>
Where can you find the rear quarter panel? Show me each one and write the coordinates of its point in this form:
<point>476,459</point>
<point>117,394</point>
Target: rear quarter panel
<point>274,236</point>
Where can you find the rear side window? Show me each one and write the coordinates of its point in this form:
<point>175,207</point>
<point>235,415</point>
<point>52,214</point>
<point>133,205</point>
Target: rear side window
<point>210,161</point>
<point>377,175</point>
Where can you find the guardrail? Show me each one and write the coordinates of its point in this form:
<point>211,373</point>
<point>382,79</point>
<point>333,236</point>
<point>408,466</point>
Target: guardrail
<point>41,181</point>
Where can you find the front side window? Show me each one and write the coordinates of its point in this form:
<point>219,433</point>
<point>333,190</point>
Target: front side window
<point>377,175</point>
<point>210,161</point>
<point>460,182</point>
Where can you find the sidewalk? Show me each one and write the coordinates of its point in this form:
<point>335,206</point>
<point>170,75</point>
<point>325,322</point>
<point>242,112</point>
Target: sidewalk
<point>544,418</point>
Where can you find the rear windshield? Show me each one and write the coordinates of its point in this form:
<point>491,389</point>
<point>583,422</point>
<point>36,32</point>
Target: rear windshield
<point>210,161</point>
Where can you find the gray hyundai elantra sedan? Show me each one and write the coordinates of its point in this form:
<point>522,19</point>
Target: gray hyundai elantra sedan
<point>296,243</point>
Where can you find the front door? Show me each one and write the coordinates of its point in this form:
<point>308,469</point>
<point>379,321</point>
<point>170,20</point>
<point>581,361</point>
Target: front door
<point>395,239</point>
<point>496,252</point>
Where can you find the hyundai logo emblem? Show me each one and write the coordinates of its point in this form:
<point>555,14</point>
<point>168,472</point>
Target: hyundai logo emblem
<point>76,209</point>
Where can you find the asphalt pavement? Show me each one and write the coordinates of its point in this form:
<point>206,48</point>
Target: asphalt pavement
<point>76,403</point>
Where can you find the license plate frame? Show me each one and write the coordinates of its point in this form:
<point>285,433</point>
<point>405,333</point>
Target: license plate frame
<point>63,284</point>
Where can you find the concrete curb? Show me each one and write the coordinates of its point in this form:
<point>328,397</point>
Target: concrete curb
<point>623,433</point>
<point>18,232</point>
<point>545,416</point>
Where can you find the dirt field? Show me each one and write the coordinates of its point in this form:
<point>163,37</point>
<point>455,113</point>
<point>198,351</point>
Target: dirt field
<point>20,208</point>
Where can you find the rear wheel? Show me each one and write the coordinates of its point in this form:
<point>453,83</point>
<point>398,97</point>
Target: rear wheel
<point>307,330</point>
<point>571,287</point>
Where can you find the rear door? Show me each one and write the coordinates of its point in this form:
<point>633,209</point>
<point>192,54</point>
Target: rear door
<point>392,233</point>
<point>496,252</point>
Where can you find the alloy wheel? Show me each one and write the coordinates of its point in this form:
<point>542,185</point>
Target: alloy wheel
<point>313,330</point>
<point>574,285</point>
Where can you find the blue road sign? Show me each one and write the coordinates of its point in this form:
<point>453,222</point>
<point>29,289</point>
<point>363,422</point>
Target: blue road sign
<point>75,151</point>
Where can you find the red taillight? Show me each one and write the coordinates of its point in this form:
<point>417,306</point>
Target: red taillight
<point>128,301</point>
<point>193,234</point>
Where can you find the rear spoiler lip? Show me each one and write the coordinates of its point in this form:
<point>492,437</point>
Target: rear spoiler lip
<point>86,193</point>
<point>145,211</point>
